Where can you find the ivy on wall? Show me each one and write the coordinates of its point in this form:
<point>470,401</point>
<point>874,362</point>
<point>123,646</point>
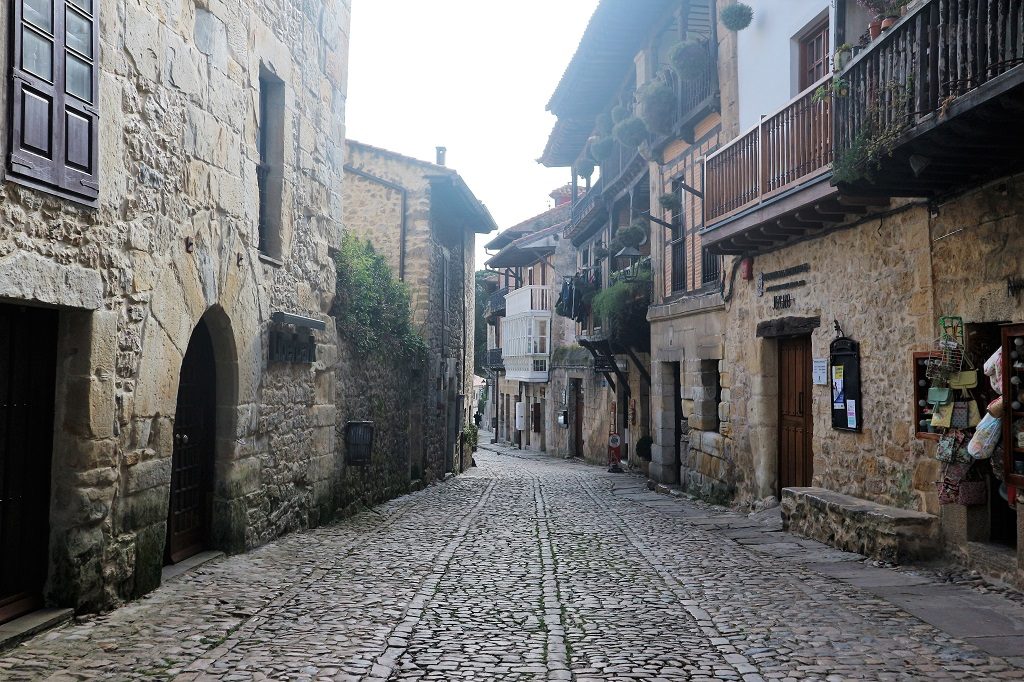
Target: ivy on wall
<point>371,307</point>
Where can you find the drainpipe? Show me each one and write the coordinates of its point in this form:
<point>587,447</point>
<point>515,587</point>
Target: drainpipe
<point>405,202</point>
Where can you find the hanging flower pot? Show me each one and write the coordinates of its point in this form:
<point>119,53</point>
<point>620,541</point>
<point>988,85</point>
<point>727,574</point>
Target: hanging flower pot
<point>630,132</point>
<point>875,28</point>
<point>736,17</point>
<point>888,22</point>
<point>658,107</point>
<point>689,60</point>
<point>601,149</point>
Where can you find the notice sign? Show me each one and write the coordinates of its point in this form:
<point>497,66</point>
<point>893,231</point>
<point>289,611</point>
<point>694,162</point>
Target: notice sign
<point>838,392</point>
<point>820,371</point>
<point>851,414</point>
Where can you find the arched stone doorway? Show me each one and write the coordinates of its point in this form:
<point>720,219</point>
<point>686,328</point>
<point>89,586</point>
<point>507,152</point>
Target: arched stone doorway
<point>190,511</point>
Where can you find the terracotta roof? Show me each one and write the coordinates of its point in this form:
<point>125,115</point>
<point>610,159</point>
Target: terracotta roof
<point>539,221</point>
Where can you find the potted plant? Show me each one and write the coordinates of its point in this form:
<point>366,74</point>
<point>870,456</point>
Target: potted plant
<point>875,8</point>
<point>671,201</point>
<point>600,252</point>
<point>689,59</point>
<point>842,56</point>
<point>736,17</point>
<point>630,132</point>
<point>658,106</point>
<point>619,113</point>
<point>601,148</point>
<point>584,167</point>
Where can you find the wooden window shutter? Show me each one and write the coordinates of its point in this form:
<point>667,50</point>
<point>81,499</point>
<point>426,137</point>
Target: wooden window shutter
<point>55,96</point>
<point>537,419</point>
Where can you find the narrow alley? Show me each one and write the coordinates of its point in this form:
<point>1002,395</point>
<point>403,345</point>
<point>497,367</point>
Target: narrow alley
<point>536,568</point>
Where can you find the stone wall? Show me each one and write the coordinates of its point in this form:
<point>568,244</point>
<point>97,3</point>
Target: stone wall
<point>178,139</point>
<point>874,279</point>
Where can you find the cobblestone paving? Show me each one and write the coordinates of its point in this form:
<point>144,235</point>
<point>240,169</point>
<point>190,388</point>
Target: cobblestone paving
<point>523,569</point>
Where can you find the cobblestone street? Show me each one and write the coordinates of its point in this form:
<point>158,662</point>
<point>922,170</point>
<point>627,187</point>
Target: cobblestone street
<point>536,569</point>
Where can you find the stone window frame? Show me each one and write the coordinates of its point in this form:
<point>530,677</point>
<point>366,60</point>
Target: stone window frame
<point>53,131</point>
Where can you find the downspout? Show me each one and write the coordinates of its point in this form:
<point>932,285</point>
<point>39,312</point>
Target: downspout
<point>405,202</point>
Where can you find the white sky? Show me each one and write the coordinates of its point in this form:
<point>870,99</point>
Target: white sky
<point>471,75</point>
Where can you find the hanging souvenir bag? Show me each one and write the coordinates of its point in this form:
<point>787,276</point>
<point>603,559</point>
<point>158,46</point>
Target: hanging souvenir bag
<point>948,487</point>
<point>986,437</point>
<point>939,395</point>
<point>995,408</point>
<point>973,489</point>
<point>973,414</point>
<point>964,379</point>
<point>993,369</point>
<point>961,416</point>
<point>946,449</point>
<point>942,416</point>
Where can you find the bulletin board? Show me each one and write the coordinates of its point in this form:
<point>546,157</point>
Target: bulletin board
<point>844,375</point>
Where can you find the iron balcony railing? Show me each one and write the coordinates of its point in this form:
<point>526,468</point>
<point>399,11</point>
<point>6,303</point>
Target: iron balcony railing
<point>711,268</point>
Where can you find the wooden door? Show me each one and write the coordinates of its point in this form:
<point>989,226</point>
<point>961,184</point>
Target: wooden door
<point>577,422</point>
<point>188,521</point>
<point>796,459</point>
<point>28,360</point>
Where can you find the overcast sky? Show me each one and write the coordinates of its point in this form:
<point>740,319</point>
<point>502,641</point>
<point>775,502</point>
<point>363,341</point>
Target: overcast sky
<point>471,75</point>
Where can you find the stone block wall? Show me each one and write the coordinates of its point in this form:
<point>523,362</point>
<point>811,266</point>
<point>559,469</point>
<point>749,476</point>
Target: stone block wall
<point>178,138</point>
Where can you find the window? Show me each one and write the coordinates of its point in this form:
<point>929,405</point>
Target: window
<point>814,55</point>
<point>270,170</point>
<point>55,93</point>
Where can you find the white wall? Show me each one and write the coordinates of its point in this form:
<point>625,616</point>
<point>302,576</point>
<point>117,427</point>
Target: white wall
<point>767,55</point>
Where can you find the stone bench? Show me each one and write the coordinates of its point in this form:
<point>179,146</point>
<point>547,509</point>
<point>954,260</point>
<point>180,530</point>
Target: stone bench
<point>855,525</point>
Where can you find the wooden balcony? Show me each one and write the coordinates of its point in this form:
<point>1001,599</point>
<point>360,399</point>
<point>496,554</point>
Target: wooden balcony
<point>935,104</point>
<point>771,185</point>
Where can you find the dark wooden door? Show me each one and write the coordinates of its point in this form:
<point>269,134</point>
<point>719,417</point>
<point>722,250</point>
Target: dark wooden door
<point>28,359</point>
<point>796,460</point>
<point>188,520</point>
<point>577,422</point>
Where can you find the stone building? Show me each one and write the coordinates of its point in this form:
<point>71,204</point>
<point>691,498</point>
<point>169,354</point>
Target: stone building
<point>424,219</point>
<point>172,190</point>
<point>896,204</point>
<point>520,325</point>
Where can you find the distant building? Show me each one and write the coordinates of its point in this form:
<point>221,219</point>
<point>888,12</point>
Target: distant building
<point>424,219</point>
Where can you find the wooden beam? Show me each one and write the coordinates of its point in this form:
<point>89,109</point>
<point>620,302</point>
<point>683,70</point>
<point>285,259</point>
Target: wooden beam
<point>787,326</point>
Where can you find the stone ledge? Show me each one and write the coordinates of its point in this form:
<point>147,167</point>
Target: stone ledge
<point>18,630</point>
<point>855,525</point>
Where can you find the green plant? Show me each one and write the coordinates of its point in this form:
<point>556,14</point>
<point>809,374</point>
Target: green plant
<point>658,106</point>
<point>584,167</point>
<point>603,124</point>
<point>371,307</point>
<point>600,252</point>
<point>837,87</point>
<point>877,136</point>
<point>842,56</point>
<point>671,201</point>
<point>622,309</point>
<point>630,132</point>
<point>689,59</point>
<point>619,113</point>
<point>634,234</point>
<point>602,148</point>
<point>471,435</point>
<point>736,17</point>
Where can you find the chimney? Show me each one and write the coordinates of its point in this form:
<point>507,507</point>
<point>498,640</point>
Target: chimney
<point>441,151</point>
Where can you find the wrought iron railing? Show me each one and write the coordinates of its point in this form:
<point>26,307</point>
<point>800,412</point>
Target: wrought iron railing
<point>678,248</point>
<point>494,359</point>
<point>710,268</point>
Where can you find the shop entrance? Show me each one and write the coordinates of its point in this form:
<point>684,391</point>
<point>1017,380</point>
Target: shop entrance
<point>190,512</point>
<point>796,458</point>
<point>28,361</point>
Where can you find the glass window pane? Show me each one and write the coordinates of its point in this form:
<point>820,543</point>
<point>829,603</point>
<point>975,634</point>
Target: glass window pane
<point>84,4</point>
<point>36,54</point>
<point>79,33</point>
<point>40,13</point>
<point>79,78</point>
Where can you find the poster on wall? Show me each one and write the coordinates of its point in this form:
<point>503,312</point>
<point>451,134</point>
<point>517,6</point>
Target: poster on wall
<point>844,362</point>
<point>819,371</point>
<point>838,396</point>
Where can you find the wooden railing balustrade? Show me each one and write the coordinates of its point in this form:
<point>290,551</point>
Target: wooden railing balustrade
<point>789,147</point>
<point>937,53</point>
